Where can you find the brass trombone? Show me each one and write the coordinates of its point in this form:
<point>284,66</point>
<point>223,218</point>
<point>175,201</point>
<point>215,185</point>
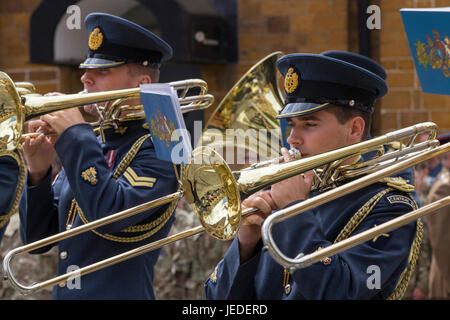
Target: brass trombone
<point>24,87</point>
<point>17,106</point>
<point>215,193</point>
<point>19,103</point>
<point>302,260</point>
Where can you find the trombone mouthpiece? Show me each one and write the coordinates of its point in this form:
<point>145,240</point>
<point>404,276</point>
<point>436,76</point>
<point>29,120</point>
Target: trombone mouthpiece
<point>36,134</point>
<point>294,154</point>
<point>93,107</point>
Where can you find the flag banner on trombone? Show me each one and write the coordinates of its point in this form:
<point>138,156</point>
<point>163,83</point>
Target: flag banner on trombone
<point>428,33</point>
<point>166,123</point>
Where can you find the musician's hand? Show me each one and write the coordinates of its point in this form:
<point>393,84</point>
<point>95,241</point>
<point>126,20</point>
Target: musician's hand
<point>38,151</point>
<point>250,229</point>
<point>418,294</point>
<point>291,189</point>
<point>420,176</point>
<point>63,119</point>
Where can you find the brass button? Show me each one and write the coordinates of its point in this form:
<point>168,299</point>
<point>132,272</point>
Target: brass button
<point>287,289</point>
<point>63,255</point>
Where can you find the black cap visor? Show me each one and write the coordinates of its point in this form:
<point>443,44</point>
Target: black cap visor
<point>97,63</point>
<point>301,108</point>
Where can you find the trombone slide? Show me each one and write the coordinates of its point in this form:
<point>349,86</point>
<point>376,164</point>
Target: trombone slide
<point>300,261</point>
<point>73,232</point>
<point>307,260</point>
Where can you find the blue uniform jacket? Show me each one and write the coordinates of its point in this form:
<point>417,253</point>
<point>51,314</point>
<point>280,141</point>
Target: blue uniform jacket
<point>9,178</point>
<point>99,195</point>
<point>347,275</point>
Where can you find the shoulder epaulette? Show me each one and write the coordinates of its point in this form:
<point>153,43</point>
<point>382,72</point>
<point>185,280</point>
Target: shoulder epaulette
<point>398,183</point>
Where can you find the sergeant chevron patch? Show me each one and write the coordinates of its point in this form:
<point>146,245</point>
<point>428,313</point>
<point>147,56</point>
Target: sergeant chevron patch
<point>381,240</point>
<point>137,181</point>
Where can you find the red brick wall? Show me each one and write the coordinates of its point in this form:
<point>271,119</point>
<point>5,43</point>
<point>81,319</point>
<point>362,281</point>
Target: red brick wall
<point>14,49</point>
<point>290,26</point>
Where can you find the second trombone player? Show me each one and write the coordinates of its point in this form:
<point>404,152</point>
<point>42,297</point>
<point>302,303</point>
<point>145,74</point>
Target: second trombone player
<point>329,103</point>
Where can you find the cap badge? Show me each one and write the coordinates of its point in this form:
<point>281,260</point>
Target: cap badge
<point>95,39</point>
<point>290,81</point>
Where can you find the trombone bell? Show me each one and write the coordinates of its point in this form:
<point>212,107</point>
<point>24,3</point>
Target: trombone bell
<point>11,117</point>
<point>212,191</point>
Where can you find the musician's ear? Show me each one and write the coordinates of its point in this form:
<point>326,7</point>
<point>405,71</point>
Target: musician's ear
<point>145,79</point>
<point>356,127</point>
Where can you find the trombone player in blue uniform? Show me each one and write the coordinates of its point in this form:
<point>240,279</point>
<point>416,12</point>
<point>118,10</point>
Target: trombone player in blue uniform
<point>102,175</point>
<point>329,103</point>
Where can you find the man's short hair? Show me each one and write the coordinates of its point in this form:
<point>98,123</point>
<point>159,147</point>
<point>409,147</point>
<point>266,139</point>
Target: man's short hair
<point>343,114</point>
<point>136,70</point>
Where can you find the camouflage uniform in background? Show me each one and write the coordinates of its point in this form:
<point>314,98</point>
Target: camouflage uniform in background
<point>438,223</point>
<point>184,265</point>
<point>420,275</point>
